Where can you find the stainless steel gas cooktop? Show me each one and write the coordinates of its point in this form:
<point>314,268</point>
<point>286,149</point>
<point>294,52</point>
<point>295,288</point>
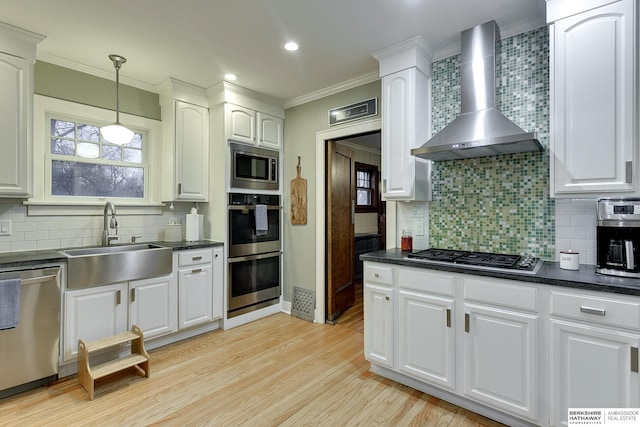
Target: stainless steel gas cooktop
<point>479,260</point>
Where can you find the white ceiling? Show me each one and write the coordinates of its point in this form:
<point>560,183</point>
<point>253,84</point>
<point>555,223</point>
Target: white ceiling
<point>198,41</point>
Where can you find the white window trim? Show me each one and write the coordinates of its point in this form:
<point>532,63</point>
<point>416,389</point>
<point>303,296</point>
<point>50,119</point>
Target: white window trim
<point>40,204</point>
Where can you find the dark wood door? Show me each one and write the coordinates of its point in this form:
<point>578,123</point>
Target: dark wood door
<point>340,229</point>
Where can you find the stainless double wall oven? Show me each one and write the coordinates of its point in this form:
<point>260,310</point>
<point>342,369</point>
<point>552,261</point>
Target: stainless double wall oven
<point>255,250</point>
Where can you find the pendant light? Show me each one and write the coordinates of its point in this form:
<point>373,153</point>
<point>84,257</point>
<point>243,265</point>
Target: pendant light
<point>116,133</point>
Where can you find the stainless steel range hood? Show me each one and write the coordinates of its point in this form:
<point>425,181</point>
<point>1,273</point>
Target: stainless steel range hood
<point>480,130</point>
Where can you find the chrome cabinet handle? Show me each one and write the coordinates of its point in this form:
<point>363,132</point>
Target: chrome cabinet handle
<point>386,298</point>
<point>448,317</point>
<point>118,297</point>
<point>376,275</point>
<point>634,359</point>
<point>196,271</point>
<point>196,258</point>
<point>133,294</point>
<point>592,310</point>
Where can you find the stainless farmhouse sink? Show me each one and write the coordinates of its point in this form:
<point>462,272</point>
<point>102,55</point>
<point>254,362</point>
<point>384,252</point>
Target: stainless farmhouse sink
<point>103,265</point>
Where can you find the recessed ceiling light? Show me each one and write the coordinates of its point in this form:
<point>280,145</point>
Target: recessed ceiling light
<point>291,46</point>
<point>230,77</point>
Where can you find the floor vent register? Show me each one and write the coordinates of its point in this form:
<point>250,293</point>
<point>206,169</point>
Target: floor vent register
<point>304,304</point>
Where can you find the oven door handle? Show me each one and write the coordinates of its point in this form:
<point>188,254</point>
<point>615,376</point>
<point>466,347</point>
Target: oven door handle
<point>253,257</point>
<point>252,207</point>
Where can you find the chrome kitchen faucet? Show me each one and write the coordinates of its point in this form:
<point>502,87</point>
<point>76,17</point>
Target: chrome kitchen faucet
<point>106,239</point>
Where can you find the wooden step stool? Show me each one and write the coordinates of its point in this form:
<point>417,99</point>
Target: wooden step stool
<point>139,358</point>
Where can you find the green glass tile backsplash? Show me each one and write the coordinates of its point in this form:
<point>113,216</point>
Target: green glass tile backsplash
<point>501,203</point>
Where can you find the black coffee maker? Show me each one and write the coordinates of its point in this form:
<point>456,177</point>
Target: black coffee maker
<point>618,236</point>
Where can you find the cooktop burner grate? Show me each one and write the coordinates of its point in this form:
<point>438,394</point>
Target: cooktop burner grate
<point>482,260</point>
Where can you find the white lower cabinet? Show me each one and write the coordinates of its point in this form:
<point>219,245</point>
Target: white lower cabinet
<point>426,345</point>
<point>594,353</point>
<point>500,359</point>
<point>152,305</point>
<point>195,287</point>
<point>93,313</point>
<point>191,295</point>
<point>477,338</point>
<point>378,315</point>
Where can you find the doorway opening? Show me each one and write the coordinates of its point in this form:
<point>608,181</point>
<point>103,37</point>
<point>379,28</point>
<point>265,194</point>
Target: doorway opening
<point>348,129</point>
<point>355,220</point>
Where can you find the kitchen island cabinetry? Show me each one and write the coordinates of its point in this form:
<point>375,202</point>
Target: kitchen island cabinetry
<point>594,92</point>
<point>500,345</point>
<point>185,142</point>
<point>594,360</point>
<point>476,339</point>
<point>17,58</point>
<point>426,345</point>
<point>253,127</point>
<point>406,119</point>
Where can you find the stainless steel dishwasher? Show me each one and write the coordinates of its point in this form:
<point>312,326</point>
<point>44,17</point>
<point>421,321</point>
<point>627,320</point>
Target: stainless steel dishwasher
<point>29,352</point>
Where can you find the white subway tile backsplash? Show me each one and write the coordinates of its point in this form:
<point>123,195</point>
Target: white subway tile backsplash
<point>576,228</point>
<point>24,246</point>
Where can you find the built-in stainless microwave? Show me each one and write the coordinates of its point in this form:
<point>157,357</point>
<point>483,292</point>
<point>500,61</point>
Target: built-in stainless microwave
<point>254,168</point>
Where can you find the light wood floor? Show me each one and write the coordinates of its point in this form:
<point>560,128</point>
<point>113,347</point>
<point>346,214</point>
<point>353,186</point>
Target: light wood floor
<point>280,370</point>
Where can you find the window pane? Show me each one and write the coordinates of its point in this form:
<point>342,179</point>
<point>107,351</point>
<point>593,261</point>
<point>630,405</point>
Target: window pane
<point>86,179</point>
<point>88,133</point>
<point>63,128</point>
<point>132,155</point>
<point>63,146</point>
<point>112,152</point>
<point>136,142</point>
<point>364,197</point>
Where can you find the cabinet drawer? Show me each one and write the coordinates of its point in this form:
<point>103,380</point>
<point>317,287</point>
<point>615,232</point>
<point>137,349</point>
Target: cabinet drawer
<point>376,274</point>
<point>502,292</point>
<point>598,310</point>
<point>194,257</point>
<point>423,281</point>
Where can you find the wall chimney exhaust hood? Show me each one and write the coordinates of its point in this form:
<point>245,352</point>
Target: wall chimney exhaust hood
<point>480,130</point>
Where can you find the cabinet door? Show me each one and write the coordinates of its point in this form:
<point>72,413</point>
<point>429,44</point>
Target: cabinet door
<point>192,151</point>
<point>270,131</point>
<point>218,282</point>
<point>592,96</point>
<point>378,324</point>
<point>405,125</point>
<point>16,110</point>
<point>426,338</point>
<point>153,305</point>
<point>93,313</point>
<point>500,359</point>
<point>196,301</point>
<point>592,367</point>
<point>240,124</point>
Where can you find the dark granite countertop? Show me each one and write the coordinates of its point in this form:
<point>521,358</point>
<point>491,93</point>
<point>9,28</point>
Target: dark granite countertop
<point>51,256</point>
<point>550,273</point>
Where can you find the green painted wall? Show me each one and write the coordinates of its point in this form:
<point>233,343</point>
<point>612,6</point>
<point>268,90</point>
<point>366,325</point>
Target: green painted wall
<point>301,125</point>
<point>63,83</point>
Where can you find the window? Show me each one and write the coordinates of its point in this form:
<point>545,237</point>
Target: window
<point>83,165</point>
<point>366,188</point>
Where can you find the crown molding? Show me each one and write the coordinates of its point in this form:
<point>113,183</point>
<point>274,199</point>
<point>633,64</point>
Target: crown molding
<point>332,90</point>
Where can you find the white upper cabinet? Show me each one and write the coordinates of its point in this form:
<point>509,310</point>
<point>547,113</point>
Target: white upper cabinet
<point>241,124</point>
<point>270,131</point>
<point>17,57</point>
<point>593,76</point>
<point>185,142</point>
<point>406,119</point>
<point>252,127</point>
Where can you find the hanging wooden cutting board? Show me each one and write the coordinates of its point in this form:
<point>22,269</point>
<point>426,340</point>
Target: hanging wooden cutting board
<point>298,198</point>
